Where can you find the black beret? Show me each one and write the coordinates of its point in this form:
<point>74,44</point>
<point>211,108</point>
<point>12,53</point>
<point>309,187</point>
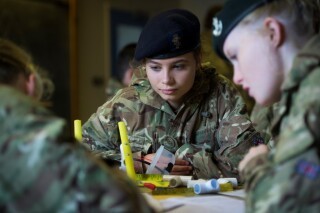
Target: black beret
<point>168,34</point>
<point>232,13</point>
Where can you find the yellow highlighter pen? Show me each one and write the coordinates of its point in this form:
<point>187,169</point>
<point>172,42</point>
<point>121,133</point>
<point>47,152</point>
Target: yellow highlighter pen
<point>126,150</point>
<point>77,130</point>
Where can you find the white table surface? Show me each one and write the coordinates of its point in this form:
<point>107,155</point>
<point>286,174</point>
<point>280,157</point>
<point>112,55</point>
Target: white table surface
<point>224,202</point>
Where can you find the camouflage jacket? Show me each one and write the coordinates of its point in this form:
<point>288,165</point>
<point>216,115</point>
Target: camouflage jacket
<point>38,174</point>
<point>288,179</point>
<point>211,128</point>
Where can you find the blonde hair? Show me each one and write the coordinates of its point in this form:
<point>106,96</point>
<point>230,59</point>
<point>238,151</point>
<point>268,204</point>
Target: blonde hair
<point>301,17</point>
<point>15,61</point>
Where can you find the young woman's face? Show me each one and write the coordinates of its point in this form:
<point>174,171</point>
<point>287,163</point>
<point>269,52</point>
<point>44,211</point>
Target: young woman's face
<point>257,63</point>
<point>172,78</point>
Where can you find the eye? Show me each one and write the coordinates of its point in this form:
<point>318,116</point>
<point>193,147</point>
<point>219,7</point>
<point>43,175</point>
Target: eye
<point>155,67</point>
<point>179,66</point>
<point>233,57</point>
<point>231,54</point>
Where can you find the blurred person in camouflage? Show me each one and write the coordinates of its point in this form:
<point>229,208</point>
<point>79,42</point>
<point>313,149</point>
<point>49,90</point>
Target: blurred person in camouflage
<point>176,102</point>
<point>40,171</point>
<point>284,36</point>
<point>124,70</point>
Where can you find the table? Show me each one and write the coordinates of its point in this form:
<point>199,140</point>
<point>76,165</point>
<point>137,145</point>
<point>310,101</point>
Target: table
<point>223,202</point>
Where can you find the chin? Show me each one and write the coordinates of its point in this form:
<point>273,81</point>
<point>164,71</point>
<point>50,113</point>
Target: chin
<point>266,101</point>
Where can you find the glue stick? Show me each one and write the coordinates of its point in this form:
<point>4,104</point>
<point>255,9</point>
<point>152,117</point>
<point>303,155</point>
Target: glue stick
<point>211,186</point>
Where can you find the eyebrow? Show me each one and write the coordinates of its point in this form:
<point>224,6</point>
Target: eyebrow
<point>173,62</point>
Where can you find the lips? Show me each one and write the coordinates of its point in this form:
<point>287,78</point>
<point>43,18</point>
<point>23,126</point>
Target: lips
<point>168,91</point>
<point>246,89</point>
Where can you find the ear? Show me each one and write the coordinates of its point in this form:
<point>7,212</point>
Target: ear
<point>127,77</point>
<point>275,31</point>
<point>31,85</point>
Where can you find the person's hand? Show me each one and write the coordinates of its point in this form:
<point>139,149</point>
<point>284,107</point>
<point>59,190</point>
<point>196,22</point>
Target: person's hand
<point>149,157</point>
<point>181,167</point>
<point>253,152</point>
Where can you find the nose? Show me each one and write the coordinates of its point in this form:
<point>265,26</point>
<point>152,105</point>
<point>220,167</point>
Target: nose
<point>166,76</point>
<point>237,76</point>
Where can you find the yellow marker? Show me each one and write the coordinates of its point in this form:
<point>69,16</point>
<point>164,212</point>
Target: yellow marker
<point>77,130</point>
<point>126,150</point>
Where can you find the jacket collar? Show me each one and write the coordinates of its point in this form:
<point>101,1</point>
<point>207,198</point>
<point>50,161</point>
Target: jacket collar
<point>304,62</point>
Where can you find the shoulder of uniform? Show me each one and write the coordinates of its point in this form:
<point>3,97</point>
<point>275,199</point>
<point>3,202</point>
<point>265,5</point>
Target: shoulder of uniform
<point>208,67</point>
<point>226,87</point>
<point>17,101</point>
<point>223,80</point>
<point>126,94</point>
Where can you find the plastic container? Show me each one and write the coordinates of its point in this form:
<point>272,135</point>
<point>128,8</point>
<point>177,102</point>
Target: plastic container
<point>162,162</point>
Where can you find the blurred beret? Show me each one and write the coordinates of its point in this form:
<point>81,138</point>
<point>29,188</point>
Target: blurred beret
<point>232,13</point>
<point>168,34</point>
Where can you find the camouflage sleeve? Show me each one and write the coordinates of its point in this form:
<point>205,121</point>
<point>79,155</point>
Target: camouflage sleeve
<point>254,170</point>
<point>285,186</point>
<point>261,118</point>
<point>101,134</point>
<point>235,133</point>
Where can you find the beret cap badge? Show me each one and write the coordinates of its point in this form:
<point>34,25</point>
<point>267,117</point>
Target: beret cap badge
<point>176,41</point>
<point>217,26</point>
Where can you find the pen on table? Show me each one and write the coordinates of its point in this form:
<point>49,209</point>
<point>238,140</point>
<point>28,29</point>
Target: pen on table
<point>77,130</point>
<point>126,150</point>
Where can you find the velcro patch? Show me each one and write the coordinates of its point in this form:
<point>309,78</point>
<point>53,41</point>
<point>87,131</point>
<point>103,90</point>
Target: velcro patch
<point>257,139</point>
<point>308,169</point>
